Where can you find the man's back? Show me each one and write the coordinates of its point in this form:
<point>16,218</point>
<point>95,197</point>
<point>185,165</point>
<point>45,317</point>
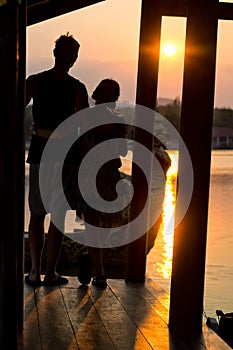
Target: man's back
<point>53,100</point>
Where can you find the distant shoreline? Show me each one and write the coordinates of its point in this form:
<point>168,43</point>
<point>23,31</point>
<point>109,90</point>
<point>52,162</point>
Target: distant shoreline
<point>27,145</point>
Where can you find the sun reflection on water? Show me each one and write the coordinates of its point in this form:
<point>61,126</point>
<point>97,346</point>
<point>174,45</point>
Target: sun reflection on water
<point>160,257</point>
<point>166,229</point>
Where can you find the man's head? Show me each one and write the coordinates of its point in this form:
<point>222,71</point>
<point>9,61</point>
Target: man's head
<point>66,50</point>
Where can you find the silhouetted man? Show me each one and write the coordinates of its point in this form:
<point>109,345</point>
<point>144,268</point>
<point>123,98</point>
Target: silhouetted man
<point>56,96</point>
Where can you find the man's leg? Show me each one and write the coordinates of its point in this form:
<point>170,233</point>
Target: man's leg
<point>54,244</point>
<point>36,243</point>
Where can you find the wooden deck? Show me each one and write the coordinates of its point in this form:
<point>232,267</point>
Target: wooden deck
<point>123,316</point>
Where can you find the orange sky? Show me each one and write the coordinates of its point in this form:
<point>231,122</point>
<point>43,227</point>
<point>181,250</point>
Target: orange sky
<point>108,33</point>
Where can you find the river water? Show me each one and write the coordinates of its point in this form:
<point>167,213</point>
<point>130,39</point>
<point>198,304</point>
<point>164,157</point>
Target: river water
<point>219,259</point>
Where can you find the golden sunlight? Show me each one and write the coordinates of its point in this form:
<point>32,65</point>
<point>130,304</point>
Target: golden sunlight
<point>169,50</point>
<point>166,230</point>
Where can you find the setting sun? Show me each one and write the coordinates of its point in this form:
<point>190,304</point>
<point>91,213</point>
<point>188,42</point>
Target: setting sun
<point>169,50</point>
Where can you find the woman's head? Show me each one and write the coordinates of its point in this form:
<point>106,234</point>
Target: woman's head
<point>108,90</point>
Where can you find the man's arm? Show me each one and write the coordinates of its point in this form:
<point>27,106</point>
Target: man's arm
<point>30,88</point>
<point>81,98</point>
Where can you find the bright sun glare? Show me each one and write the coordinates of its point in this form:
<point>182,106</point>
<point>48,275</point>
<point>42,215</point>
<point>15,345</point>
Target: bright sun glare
<point>169,50</point>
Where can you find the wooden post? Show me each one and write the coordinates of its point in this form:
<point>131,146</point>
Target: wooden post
<point>187,284</point>
<point>146,96</point>
<point>20,140</point>
<point>11,173</point>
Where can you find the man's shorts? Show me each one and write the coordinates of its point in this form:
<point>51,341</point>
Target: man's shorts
<point>53,188</point>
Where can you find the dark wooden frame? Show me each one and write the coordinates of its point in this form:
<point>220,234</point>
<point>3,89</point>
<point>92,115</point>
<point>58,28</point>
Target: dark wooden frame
<point>187,283</point>
<point>12,72</point>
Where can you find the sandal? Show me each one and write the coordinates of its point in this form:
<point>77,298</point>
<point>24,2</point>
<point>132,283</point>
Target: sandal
<point>31,283</point>
<point>84,269</point>
<point>58,281</point>
<point>99,281</point>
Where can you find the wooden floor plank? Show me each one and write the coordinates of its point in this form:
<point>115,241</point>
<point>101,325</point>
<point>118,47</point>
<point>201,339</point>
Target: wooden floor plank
<point>133,298</point>
<point>121,328</point>
<point>89,329</point>
<point>212,340</point>
<point>125,316</point>
<point>54,323</point>
<point>31,334</point>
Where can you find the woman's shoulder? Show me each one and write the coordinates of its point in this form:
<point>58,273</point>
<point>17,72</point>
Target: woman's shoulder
<point>116,116</point>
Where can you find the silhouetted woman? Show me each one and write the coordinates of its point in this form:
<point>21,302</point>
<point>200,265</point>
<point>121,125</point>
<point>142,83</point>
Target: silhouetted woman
<point>105,96</point>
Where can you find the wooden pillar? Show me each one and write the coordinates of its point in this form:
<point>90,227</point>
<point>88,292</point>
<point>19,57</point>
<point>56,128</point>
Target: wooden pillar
<point>20,141</point>
<point>146,96</point>
<point>12,172</point>
<point>187,284</point>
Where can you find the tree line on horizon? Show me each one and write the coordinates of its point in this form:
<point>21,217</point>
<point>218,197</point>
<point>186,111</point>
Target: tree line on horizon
<point>222,117</point>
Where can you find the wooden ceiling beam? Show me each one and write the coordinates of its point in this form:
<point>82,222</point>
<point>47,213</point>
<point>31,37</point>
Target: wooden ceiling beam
<point>42,10</point>
<point>225,11</point>
<point>180,8</point>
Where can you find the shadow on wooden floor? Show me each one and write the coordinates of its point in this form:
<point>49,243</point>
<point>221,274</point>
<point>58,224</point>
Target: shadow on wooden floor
<point>123,316</point>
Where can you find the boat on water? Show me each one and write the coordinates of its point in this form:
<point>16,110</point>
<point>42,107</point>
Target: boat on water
<point>223,327</point>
